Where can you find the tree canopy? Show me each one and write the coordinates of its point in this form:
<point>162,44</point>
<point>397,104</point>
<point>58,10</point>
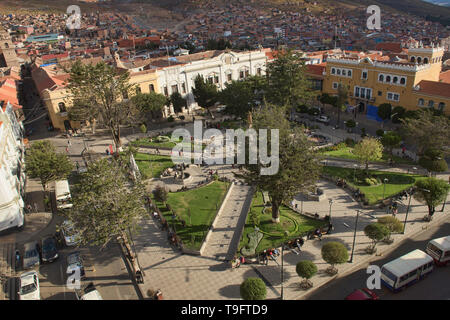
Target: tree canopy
<point>44,163</point>
<point>152,102</point>
<point>368,149</point>
<point>253,289</point>
<point>391,140</point>
<point>376,232</point>
<point>433,160</point>
<point>205,93</point>
<point>105,205</point>
<point>432,192</point>
<point>334,252</point>
<point>178,102</point>
<point>306,269</point>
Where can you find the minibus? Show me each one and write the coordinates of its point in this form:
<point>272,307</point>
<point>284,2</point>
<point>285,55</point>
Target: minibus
<point>439,250</point>
<point>406,270</point>
<point>62,194</point>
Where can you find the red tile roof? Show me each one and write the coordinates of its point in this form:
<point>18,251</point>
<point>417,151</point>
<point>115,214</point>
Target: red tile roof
<point>316,69</point>
<point>434,88</point>
<point>390,46</point>
<point>445,77</point>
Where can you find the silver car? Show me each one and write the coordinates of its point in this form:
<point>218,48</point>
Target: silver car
<point>31,255</point>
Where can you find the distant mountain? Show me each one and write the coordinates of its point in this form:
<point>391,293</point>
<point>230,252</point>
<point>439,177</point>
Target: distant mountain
<point>445,3</point>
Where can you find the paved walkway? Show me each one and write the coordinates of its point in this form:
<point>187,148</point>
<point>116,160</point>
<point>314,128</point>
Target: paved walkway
<point>223,243</point>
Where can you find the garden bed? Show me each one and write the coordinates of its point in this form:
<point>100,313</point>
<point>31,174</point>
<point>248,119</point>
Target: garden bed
<point>151,165</point>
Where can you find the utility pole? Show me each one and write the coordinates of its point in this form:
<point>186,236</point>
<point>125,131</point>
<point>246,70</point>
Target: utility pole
<point>354,236</point>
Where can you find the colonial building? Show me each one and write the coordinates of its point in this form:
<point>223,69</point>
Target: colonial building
<point>411,81</point>
<point>12,175</point>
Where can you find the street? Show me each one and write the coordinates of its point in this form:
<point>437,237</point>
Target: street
<point>433,287</point>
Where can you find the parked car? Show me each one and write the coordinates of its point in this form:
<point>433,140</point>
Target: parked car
<point>29,286</point>
<point>89,293</point>
<point>323,119</point>
<point>31,255</point>
<point>221,108</point>
<point>49,253</point>
<point>75,261</point>
<point>70,236</point>
<point>362,294</point>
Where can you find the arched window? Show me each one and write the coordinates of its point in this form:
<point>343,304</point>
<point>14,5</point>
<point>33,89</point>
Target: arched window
<point>349,73</point>
<point>395,80</point>
<point>333,71</point>
<point>402,80</point>
<point>413,59</point>
<point>425,60</point>
<point>388,78</point>
<point>338,72</point>
<point>344,73</point>
<point>62,107</point>
<point>419,60</point>
<point>6,45</point>
<point>431,103</point>
<point>421,102</point>
<point>152,88</point>
<point>381,78</point>
<point>441,106</point>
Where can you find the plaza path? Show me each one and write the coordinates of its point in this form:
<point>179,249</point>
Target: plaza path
<point>224,239</point>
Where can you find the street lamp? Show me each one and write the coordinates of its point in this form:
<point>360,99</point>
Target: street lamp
<point>282,271</point>
<point>410,192</point>
<point>331,202</point>
<point>384,187</point>
<point>354,173</point>
<point>354,236</point>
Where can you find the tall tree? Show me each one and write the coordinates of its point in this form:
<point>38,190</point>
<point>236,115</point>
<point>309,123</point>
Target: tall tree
<point>339,100</point>
<point>105,89</point>
<point>205,93</point>
<point>151,103</point>
<point>287,84</point>
<point>44,163</point>
<point>433,160</point>
<point>105,205</point>
<point>178,102</point>
<point>427,131</point>
<point>432,192</point>
<point>368,149</point>
<point>384,112</point>
<point>391,140</point>
<point>299,167</point>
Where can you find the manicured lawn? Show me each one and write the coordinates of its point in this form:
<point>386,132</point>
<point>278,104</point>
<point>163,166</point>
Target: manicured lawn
<point>397,182</point>
<point>274,233</point>
<point>147,143</point>
<point>203,204</point>
<point>347,153</point>
<point>151,166</point>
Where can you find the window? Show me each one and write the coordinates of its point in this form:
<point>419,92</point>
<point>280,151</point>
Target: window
<point>389,274</point>
<point>381,78</point>
<point>363,92</point>
<point>229,77</point>
<point>62,107</point>
<point>368,93</point>
<point>216,79</point>
<point>441,106</point>
<point>6,45</point>
<point>393,96</point>
<point>183,87</point>
<point>380,93</point>
<point>258,71</point>
<point>413,59</point>
<point>402,80</point>
<point>419,60</point>
<point>333,71</point>
<point>421,102</point>
<point>335,85</point>
<point>247,73</point>
<point>356,91</point>
<point>210,80</point>
<point>166,92</point>
<point>152,88</point>
<point>349,73</point>
<point>174,88</point>
<point>388,78</point>
<point>364,75</point>
<point>338,72</point>
<point>241,75</point>
<point>431,103</point>
<point>395,80</point>
<point>425,60</point>
<point>344,72</point>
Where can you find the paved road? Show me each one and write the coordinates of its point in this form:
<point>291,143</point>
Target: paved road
<point>434,287</point>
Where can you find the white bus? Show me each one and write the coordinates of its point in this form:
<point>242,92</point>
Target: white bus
<point>62,194</point>
<point>439,250</point>
<point>406,270</point>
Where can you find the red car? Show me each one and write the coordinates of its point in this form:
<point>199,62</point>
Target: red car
<point>362,294</point>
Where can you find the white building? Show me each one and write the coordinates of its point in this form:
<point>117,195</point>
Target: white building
<point>12,175</point>
<point>218,67</point>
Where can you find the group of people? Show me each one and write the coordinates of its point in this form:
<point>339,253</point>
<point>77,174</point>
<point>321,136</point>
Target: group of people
<point>236,262</point>
<point>341,182</point>
<point>393,209</point>
<point>271,253</point>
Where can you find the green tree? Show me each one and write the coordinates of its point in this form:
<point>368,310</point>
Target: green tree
<point>178,102</point>
<point>253,289</point>
<point>391,140</point>
<point>427,131</point>
<point>432,192</point>
<point>384,112</point>
<point>150,104</point>
<point>143,128</point>
<point>44,163</point>
<point>161,193</point>
<point>306,270</point>
<point>333,253</point>
<point>376,232</point>
<point>205,93</point>
<point>105,205</point>
<point>299,167</point>
<point>105,89</point>
<point>392,224</point>
<point>398,113</point>
<point>287,84</point>
<point>368,149</point>
<point>350,124</point>
<point>433,160</point>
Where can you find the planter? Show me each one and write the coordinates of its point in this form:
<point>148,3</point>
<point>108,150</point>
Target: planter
<point>331,271</point>
<point>306,284</point>
<point>371,250</point>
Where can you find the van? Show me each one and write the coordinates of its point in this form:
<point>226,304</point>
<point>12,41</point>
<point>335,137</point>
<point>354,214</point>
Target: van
<point>439,250</point>
<point>62,194</point>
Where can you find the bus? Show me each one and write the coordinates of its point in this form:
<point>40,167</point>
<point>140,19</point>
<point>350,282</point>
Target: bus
<point>439,250</point>
<point>62,194</point>
<point>406,270</point>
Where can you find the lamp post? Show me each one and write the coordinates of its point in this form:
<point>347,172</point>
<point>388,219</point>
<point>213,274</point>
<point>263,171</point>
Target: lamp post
<point>282,271</point>
<point>411,191</point>
<point>331,202</point>
<point>354,236</point>
<point>354,172</point>
<point>384,187</point>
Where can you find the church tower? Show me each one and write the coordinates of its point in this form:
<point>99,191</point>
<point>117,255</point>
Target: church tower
<point>8,57</point>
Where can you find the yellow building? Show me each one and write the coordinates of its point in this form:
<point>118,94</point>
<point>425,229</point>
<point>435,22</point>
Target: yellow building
<point>410,79</point>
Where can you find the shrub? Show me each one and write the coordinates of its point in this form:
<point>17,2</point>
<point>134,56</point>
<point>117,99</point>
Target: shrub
<point>253,289</point>
<point>161,194</point>
<point>380,132</point>
<point>143,128</point>
<point>350,142</point>
<point>306,269</point>
<point>376,232</point>
<point>341,145</point>
<point>334,253</point>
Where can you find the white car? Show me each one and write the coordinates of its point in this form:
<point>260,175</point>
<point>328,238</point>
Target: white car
<point>70,236</point>
<point>89,293</point>
<point>29,286</point>
<point>323,119</point>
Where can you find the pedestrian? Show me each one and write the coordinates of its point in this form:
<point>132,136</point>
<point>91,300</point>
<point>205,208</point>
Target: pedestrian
<point>78,166</point>
<point>68,143</point>
<point>67,149</point>
<point>107,151</point>
<point>29,208</point>
<point>35,207</point>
